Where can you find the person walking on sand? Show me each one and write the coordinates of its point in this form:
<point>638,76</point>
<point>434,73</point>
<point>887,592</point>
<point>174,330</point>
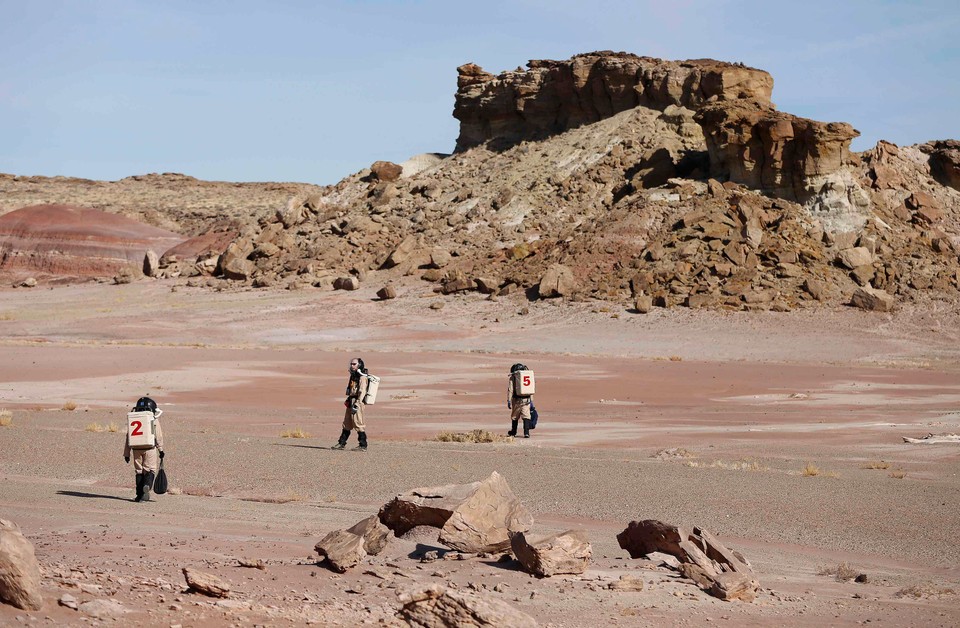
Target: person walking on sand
<point>353,415</point>
<point>145,442</point>
<point>520,389</point>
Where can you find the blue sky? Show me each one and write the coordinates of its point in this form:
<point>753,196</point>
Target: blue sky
<point>312,91</point>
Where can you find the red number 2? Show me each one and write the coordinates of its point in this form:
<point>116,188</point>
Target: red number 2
<point>526,380</point>
<point>136,428</point>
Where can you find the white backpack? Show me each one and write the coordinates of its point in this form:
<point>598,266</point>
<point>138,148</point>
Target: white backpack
<point>141,430</point>
<point>524,383</point>
<point>373,384</point>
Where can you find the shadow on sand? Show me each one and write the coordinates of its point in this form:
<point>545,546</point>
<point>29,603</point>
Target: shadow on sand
<point>91,495</point>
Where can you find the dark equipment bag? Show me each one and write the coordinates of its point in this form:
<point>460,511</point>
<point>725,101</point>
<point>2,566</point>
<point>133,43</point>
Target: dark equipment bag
<point>160,484</point>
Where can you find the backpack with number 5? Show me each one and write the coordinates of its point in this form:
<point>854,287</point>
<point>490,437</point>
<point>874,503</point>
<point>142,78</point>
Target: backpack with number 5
<point>524,384</point>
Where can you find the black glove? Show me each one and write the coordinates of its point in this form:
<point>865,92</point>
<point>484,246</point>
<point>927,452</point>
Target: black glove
<point>126,459</point>
<point>161,454</point>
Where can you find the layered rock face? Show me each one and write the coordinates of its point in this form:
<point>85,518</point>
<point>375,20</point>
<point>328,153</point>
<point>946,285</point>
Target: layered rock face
<point>751,143</point>
<point>554,96</point>
<point>77,241</point>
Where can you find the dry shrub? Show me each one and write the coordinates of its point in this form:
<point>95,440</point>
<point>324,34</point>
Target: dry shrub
<point>810,470</point>
<point>841,572</point>
<point>876,464</point>
<point>6,316</point>
<point>676,358</point>
<point>295,433</point>
<point>924,589</point>
<point>70,406</point>
<point>736,465</point>
<point>473,436</point>
<point>673,453</point>
<point>291,496</point>
<point>6,418</point>
<point>899,474</point>
<point>113,427</point>
<point>95,427</point>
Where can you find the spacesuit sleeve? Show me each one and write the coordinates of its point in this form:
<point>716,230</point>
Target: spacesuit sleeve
<point>510,387</point>
<point>158,432</point>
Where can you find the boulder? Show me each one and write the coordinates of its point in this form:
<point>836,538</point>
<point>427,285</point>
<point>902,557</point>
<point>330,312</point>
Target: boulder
<point>19,571</point>
<point>346,283</point>
<point>342,549</point>
<point>643,303</point>
<point>855,257</point>
<point>233,262</point>
<point>439,607</point>
<point>439,258</point>
<point>205,583</point>
<point>557,281</point>
<point>387,292</point>
<point>386,170</point>
<point>403,252</point>
<point>151,264</point>
<point>717,570</point>
<point>472,518</point>
<point>945,162</point>
<point>487,285</point>
<point>375,534</point>
<point>872,299</point>
<point>565,553</point>
<point>105,608</point>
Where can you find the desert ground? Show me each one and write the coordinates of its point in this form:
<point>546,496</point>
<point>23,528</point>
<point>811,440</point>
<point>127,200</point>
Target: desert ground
<point>782,433</point>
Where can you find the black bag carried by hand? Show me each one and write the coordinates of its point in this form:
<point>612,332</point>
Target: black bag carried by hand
<point>534,417</point>
<point>160,484</point>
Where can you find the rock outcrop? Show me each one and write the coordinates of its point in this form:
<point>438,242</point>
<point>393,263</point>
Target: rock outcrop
<point>717,570</point>
<point>343,549</point>
<point>19,571</point>
<point>472,518</point>
<point>206,583</point>
<point>553,96</point>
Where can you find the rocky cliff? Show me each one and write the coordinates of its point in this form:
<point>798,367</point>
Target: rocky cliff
<point>553,96</point>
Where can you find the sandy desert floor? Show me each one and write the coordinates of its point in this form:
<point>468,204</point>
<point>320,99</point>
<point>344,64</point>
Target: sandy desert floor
<point>751,401</point>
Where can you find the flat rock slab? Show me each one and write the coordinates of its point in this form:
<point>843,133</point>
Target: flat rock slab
<point>341,549</point>
<point>439,607</point>
<point>206,583</point>
<point>565,553</point>
<point>375,534</point>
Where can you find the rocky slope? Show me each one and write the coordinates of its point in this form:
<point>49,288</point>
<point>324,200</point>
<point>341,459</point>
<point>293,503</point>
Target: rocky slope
<point>646,182</point>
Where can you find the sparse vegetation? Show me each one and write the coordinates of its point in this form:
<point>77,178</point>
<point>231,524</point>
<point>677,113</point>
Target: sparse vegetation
<point>876,464</point>
<point>113,427</point>
<point>736,465</point>
<point>899,474</point>
<point>6,418</point>
<point>294,433</point>
<point>95,427</point>
<point>6,316</point>
<point>841,572</point>
<point>673,453</point>
<point>291,496</point>
<point>924,589</point>
<point>69,406</point>
<point>676,358</point>
<point>810,470</point>
<point>474,436</point>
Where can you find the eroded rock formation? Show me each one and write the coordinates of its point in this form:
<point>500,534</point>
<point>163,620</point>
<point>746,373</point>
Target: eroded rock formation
<point>553,96</point>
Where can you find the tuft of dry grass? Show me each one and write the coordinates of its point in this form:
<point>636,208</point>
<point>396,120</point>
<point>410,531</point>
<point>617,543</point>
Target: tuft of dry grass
<point>113,427</point>
<point>736,465</point>
<point>95,427</point>
<point>810,470</point>
<point>924,589</point>
<point>899,474</point>
<point>6,418</point>
<point>291,496</point>
<point>841,572</point>
<point>876,464</point>
<point>673,453</point>
<point>676,358</point>
<point>6,316</point>
<point>294,433</point>
<point>69,406</point>
<point>473,436</point>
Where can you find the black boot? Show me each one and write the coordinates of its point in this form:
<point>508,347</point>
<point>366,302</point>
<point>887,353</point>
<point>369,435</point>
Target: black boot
<point>139,497</point>
<point>513,429</point>
<point>344,435</point>
<point>526,428</point>
<point>362,437</point>
<point>147,485</point>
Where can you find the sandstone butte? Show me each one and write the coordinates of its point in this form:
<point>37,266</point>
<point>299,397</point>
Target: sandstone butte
<point>645,182</point>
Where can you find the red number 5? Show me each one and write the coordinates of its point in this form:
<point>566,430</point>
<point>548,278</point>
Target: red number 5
<point>136,428</point>
<point>526,380</point>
